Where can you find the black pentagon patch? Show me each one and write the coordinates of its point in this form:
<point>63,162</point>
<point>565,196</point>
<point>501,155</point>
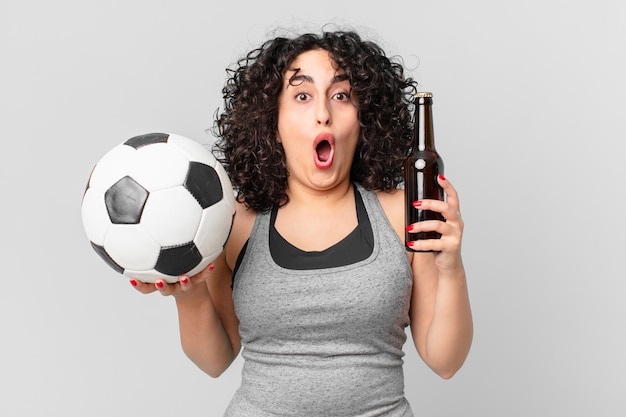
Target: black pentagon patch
<point>104,255</point>
<point>125,201</point>
<point>204,184</point>
<point>147,139</point>
<point>178,260</point>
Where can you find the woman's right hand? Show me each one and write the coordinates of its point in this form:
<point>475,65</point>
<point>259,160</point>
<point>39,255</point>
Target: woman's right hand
<point>185,286</point>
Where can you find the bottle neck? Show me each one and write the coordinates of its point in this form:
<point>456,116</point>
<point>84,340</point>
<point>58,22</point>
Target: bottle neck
<point>424,135</point>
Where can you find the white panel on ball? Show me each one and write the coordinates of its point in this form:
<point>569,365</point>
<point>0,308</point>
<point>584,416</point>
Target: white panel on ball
<point>113,166</point>
<point>149,276</point>
<point>171,216</point>
<point>95,218</point>
<point>193,150</point>
<point>158,167</point>
<point>131,246</point>
<point>212,227</point>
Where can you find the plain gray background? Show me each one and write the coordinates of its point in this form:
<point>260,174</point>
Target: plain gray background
<point>529,118</point>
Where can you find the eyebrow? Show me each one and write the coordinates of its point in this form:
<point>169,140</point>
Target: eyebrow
<point>298,79</point>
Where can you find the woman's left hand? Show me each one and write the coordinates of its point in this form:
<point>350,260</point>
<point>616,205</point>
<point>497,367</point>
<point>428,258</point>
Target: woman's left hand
<point>451,230</point>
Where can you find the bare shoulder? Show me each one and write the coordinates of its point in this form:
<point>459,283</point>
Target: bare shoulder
<point>392,203</point>
<point>242,227</point>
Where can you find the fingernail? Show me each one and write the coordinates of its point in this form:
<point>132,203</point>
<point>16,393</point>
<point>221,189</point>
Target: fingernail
<point>133,282</point>
<point>410,244</point>
<point>211,267</point>
<point>441,177</point>
<point>409,228</point>
<point>159,284</point>
<point>417,203</point>
<point>184,279</point>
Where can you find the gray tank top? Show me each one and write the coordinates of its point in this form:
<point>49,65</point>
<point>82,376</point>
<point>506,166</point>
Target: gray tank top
<point>323,342</point>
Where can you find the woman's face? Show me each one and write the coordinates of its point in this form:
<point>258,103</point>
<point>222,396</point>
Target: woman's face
<point>318,122</point>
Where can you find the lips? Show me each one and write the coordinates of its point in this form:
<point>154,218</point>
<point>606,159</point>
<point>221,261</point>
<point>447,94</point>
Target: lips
<point>324,150</point>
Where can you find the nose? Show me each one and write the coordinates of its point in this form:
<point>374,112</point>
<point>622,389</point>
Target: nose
<point>323,113</point>
<point>323,121</point>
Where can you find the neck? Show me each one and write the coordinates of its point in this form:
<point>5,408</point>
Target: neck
<point>306,196</point>
<point>313,220</point>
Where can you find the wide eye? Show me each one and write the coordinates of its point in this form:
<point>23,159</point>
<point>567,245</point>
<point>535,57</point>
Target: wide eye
<point>342,96</point>
<point>302,96</point>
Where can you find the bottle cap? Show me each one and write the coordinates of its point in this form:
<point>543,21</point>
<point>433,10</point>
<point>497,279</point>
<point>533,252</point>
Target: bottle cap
<point>421,94</point>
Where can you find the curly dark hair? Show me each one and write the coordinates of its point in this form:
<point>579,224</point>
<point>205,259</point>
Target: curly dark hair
<point>246,129</point>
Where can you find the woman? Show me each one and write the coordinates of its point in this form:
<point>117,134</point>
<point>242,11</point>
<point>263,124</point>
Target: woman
<point>314,281</point>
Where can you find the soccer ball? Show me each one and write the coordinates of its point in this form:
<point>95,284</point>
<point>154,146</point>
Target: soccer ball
<point>158,206</point>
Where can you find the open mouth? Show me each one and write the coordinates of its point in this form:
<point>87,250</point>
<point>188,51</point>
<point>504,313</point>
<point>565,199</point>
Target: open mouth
<point>324,151</point>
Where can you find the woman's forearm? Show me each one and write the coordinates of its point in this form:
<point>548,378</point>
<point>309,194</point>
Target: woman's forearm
<point>450,333</point>
<point>203,336</point>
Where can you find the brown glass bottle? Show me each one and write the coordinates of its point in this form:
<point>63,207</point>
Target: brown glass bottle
<point>421,170</point>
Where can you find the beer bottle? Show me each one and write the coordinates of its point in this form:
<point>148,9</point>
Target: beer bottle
<point>421,170</point>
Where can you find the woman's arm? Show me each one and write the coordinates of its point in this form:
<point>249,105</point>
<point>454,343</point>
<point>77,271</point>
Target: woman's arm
<point>441,319</point>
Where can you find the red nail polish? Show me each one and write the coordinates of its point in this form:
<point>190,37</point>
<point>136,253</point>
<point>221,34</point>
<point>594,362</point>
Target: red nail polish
<point>211,267</point>
<point>409,228</point>
<point>417,203</point>
<point>184,280</point>
<point>133,282</point>
<point>441,177</point>
<point>410,244</point>
<point>159,284</point>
